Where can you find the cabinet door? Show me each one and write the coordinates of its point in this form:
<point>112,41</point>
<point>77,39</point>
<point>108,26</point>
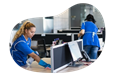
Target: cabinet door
<point>75,16</point>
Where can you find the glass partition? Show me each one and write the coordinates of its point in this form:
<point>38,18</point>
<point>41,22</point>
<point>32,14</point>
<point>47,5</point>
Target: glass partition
<point>98,17</point>
<point>79,13</point>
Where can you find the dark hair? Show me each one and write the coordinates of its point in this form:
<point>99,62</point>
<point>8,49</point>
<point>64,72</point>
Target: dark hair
<point>90,18</point>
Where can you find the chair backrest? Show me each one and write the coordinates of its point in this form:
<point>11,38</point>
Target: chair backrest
<point>42,41</point>
<point>34,43</point>
<point>39,46</point>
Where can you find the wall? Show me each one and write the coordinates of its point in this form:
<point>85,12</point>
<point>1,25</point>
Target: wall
<point>107,16</point>
<point>62,21</point>
<point>38,22</point>
<point>79,13</point>
<point>75,15</point>
<point>9,16</point>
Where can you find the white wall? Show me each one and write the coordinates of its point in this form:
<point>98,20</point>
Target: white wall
<point>62,21</point>
<point>9,16</point>
<point>38,22</point>
<point>108,16</point>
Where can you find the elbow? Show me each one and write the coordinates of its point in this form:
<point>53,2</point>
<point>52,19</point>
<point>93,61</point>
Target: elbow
<point>33,55</point>
<point>82,33</point>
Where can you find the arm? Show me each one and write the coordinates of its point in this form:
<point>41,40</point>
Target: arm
<point>81,33</point>
<point>82,30</point>
<point>27,51</point>
<point>40,62</point>
<point>34,56</point>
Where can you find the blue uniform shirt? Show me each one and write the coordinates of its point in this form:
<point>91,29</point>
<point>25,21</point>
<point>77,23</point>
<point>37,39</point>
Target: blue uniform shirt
<point>20,49</point>
<point>90,37</point>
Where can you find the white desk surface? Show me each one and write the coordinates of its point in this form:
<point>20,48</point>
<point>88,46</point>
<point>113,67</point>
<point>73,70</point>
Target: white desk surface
<point>35,68</point>
<point>87,69</point>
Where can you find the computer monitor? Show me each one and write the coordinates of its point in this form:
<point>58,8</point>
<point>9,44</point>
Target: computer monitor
<point>60,57</point>
<point>74,50</point>
<point>49,37</point>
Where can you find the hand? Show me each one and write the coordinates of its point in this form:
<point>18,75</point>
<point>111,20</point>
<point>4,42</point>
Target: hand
<point>78,35</point>
<point>48,68</point>
<point>45,65</point>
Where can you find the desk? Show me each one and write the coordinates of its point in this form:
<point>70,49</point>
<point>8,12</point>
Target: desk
<point>37,68</point>
<point>48,48</point>
<point>34,68</point>
<point>48,52</point>
<point>86,69</point>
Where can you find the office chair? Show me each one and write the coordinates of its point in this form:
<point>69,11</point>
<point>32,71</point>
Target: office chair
<point>34,45</point>
<point>40,47</point>
<point>42,50</point>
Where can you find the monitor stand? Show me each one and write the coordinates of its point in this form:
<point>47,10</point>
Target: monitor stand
<point>74,64</point>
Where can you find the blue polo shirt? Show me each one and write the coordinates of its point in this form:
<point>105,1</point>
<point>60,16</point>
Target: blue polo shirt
<point>20,49</point>
<point>89,38</point>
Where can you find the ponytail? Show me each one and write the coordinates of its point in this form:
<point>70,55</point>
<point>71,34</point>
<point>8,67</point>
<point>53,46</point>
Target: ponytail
<point>21,31</point>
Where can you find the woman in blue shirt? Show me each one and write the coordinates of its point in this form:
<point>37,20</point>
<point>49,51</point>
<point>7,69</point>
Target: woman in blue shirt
<point>90,39</point>
<point>20,48</point>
